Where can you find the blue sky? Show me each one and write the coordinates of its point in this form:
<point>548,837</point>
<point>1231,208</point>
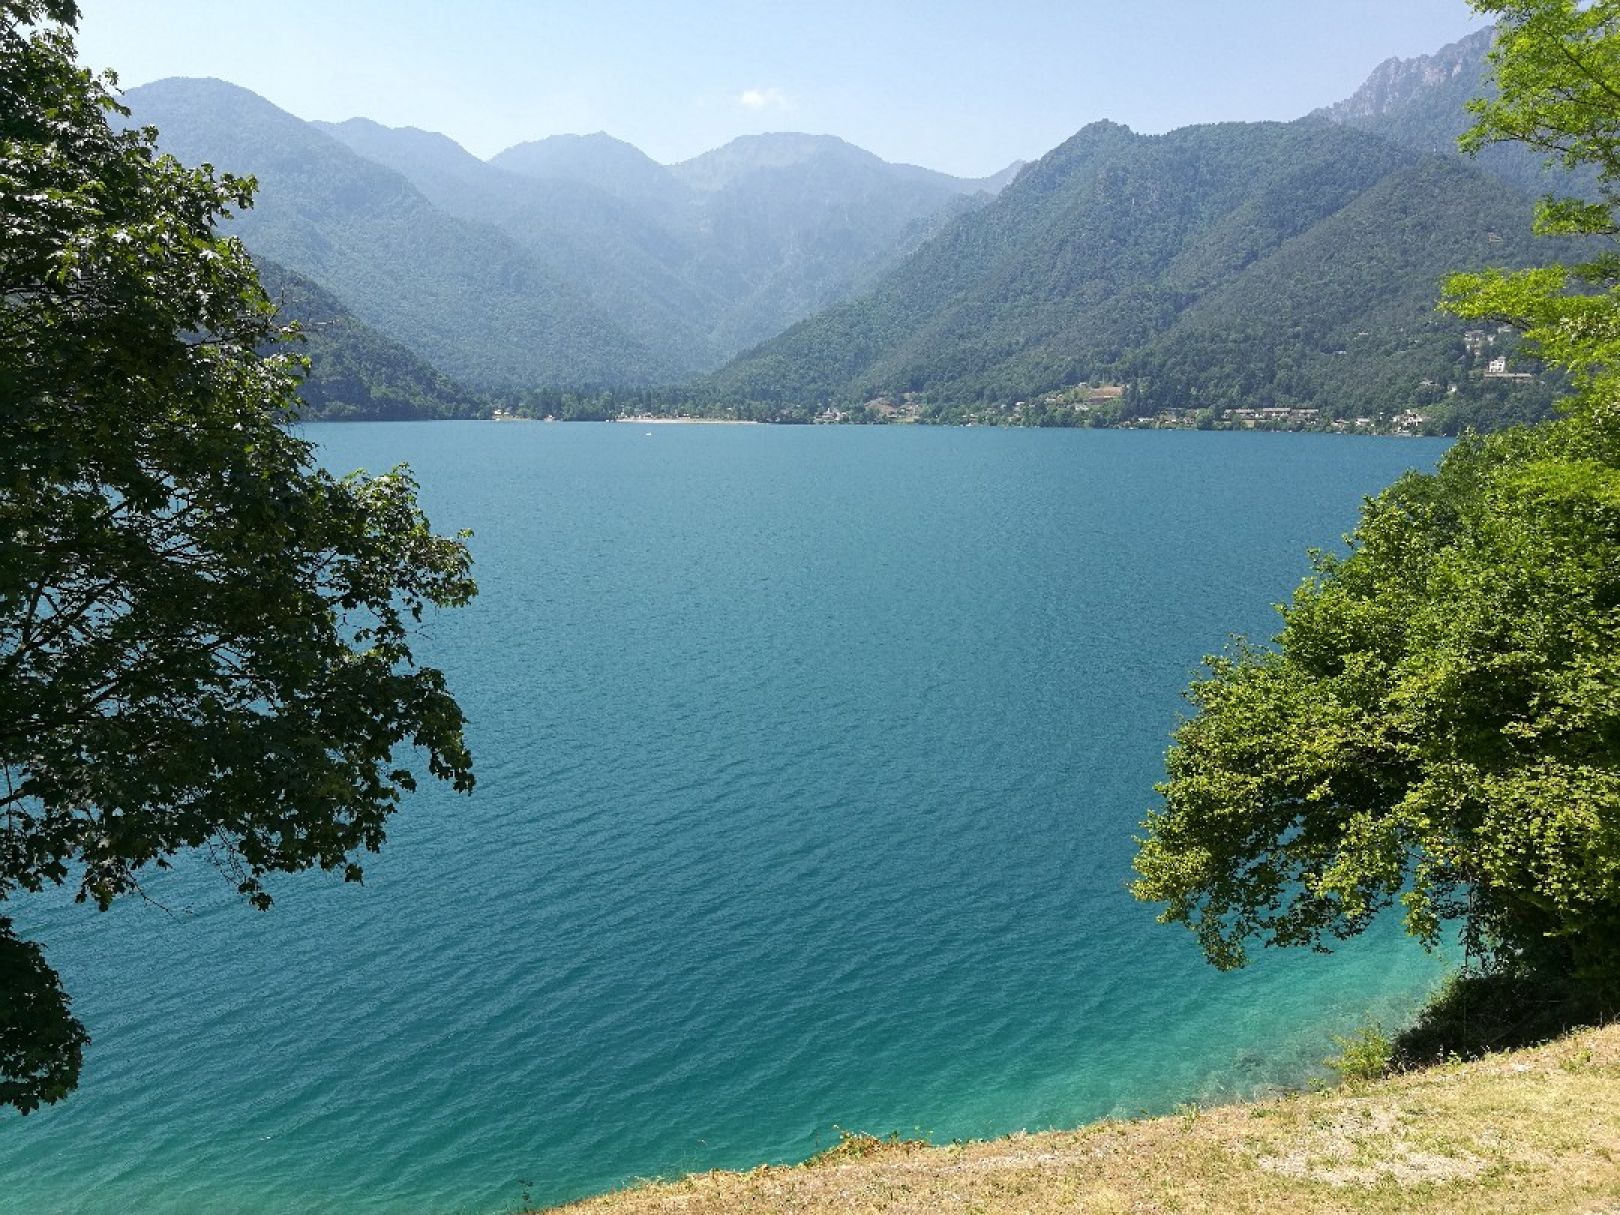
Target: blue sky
<point>964,87</point>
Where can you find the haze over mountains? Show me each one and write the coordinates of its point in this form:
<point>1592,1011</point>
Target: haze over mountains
<point>469,299</point>
<point>698,259</point>
<point>573,260</point>
<point>1214,267</point>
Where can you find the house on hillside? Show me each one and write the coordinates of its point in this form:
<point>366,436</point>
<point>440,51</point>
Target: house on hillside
<point>1497,369</point>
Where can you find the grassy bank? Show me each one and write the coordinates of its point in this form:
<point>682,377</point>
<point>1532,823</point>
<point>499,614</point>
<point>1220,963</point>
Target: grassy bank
<point>1535,1130</point>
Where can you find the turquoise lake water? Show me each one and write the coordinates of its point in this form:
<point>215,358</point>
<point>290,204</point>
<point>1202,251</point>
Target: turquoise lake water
<point>809,761</point>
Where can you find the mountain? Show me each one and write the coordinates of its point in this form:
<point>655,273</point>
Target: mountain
<point>355,373</point>
<point>435,164</point>
<point>1211,268</point>
<point>573,260</point>
<point>1234,265</point>
<point>467,297</point>
<point>997,182</point>
<point>627,262</point>
<point>1421,103</point>
<point>803,221</point>
<point>1427,93</point>
<point>1342,316</point>
<point>726,166</point>
<point>618,169</point>
<point>700,259</point>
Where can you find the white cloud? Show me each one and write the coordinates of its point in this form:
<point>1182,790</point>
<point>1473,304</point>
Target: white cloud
<point>764,99</point>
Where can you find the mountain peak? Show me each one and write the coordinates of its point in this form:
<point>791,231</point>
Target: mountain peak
<point>392,145</point>
<point>598,160</point>
<point>723,166</point>
<point>199,85</point>
<point>1397,83</point>
<point>204,92</point>
<point>567,155</point>
<point>191,111</point>
<point>1422,104</point>
<point>787,146</point>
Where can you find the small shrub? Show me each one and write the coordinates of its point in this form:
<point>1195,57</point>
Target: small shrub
<point>1579,1061</point>
<point>1363,1057</point>
<point>855,1145</point>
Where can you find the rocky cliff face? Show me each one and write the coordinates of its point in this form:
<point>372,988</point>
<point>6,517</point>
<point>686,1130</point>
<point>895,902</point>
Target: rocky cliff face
<point>1422,104</point>
<point>1396,84</point>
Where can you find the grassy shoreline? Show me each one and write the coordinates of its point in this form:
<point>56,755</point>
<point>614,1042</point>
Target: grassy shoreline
<point>1531,1130</point>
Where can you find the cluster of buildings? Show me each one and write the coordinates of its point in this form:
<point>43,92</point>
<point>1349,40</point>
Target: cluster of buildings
<point>1279,416</point>
<point>1479,342</point>
<point>1409,423</point>
<point>1085,397</point>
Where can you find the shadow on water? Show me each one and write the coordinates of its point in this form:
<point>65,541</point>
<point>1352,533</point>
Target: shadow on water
<point>1475,1013</point>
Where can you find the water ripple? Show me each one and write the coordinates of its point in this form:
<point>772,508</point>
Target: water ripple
<point>808,764</point>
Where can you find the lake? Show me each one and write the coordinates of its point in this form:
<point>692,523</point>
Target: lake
<point>809,761</point>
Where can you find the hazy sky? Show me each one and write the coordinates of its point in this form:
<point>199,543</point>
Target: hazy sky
<point>964,87</point>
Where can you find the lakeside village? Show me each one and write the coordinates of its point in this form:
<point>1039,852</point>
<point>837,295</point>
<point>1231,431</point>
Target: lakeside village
<point>1485,371</point>
<point>1110,406</point>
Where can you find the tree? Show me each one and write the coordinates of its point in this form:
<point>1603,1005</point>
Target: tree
<point>1557,70</point>
<point>1438,723</point>
<point>204,638</point>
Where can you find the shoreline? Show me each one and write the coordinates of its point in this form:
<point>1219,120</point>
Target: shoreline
<point>1525,1131</point>
<point>689,421</point>
<point>1340,434</point>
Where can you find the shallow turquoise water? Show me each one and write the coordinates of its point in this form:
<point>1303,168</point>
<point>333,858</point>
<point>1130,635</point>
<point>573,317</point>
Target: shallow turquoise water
<point>808,763</point>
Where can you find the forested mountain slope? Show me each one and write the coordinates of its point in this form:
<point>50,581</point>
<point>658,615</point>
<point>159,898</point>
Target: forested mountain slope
<point>355,373</point>
<point>464,295</point>
<point>1214,267</point>
<point>1342,317</point>
<point>635,261</point>
<point>1420,102</point>
<point>802,221</point>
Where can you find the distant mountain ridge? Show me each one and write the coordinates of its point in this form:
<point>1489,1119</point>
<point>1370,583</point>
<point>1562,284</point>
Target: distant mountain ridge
<point>617,168</point>
<point>724,166</point>
<point>469,299</point>
<point>712,254</point>
<point>1215,267</point>
<point>575,260</point>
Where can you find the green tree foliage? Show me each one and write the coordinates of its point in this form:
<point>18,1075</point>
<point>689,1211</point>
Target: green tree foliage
<point>204,639</point>
<point>1438,724</point>
<point>1558,75</point>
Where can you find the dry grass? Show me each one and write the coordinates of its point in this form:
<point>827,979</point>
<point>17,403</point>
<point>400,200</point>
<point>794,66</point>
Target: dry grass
<point>1534,1131</point>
